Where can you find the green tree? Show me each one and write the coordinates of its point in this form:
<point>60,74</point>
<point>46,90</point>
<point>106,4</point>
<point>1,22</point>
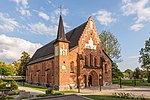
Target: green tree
<point>5,69</point>
<point>110,45</point>
<point>116,73</point>
<point>138,73</point>
<point>16,66</point>
<point>130,73</point>
<point>144,58</point>
<point>24,60</point>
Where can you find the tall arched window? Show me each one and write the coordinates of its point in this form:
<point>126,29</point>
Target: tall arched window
<point>95,62</point>
<point>86,61</point>
<point>52,68</point>
<point>72,67</point>
<point>101,62</point>
<point>106,67</point>
<point>91,60</point>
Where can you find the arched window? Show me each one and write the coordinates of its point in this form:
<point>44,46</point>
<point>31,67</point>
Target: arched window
<point>72,67</point>
<point>91,60</point>
<point>52,68</point>
<point>101,62</point>
<point>106,67</point>
<point>86,61</point>
<point>95,62</point>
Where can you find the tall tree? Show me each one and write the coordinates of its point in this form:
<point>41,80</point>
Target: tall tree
<point>116,73</point>
<point>24,60</point>
<point>144,58</point>
<point>110,45</point>
<point>16,66</point>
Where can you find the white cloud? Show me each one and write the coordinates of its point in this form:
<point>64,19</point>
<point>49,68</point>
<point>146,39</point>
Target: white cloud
<point>136,26</point>
<point>139,9</point>
<point>22,8</point>
<point>12,47</point>
<point>41,28</point>
<point>104,17</point>
<point>8,24</point>
<point>43,15</point>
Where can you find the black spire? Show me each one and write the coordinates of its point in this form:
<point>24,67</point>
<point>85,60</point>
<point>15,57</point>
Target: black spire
<point>61,33</point>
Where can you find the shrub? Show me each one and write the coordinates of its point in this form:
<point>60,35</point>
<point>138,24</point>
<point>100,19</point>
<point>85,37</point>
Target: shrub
<point>2,85</point>
<point>49,91</point>
<point>2,96</point>
<point>56,92</point>
<point>9,98</point>
<point>43,95</point>
<point>11,93</point>
<point>14,85</point>
<point>148,78</point>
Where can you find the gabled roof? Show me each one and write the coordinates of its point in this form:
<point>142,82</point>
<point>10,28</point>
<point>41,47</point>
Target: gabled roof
<point>47,51</point>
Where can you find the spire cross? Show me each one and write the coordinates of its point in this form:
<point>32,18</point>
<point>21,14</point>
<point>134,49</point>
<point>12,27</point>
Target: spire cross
<point>60,9</point>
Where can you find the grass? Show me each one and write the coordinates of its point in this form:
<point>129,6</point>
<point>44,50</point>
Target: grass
<point>131,82</point>
<point>43,89</point>
<point>69,91</point>
<point>104,97</point>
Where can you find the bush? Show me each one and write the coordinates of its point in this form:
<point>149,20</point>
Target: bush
<point>49,91</point>
<point>148,78</point>
<point>43,95</point>
<point>14,85</point>
<point>9,98</point>
<point>2,96</point>
<point>56,92</point>
<point>11,93</point>
<point>2,85</point>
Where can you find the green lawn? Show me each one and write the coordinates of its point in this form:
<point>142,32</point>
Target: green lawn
<point>131,82</point>
<point>106,97</point>
<point>42,88</point>
<point>69,91</point>
<point>33,86</point>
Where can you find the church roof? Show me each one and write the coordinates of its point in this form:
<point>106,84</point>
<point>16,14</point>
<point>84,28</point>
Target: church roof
<point>47,51</point>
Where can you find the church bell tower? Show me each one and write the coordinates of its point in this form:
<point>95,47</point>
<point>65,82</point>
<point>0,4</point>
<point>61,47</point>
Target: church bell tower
<point>61,49</point>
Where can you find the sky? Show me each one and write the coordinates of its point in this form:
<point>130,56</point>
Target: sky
<point>26,25</point>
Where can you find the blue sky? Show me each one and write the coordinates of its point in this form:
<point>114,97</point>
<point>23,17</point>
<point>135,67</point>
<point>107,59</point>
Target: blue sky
<point>26,25</point>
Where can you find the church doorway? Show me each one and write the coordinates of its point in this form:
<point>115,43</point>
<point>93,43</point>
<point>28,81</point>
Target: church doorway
<point>90,80</point>
<point>93,79</point>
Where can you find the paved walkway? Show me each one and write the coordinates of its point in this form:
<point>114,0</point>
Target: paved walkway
<point>31,90</point>
<point>138,91</point>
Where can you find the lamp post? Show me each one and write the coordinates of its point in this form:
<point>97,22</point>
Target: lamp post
<point>134,80</point>
<point>79,57</point>
<point>100,77</point>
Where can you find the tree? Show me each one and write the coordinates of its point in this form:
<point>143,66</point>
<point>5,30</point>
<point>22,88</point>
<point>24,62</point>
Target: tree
<point>5,69</point>
<point>130,72</point>
<point>16,66</point>
<point>24,60</point>
<point>144,58</point>
<point>137,73</point>
<point>110,45</point>
<point>116,73</point>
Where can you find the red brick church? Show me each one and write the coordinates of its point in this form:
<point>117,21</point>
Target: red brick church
<point>76,53</point>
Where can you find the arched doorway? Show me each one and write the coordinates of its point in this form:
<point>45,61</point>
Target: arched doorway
<point>93,79</point>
